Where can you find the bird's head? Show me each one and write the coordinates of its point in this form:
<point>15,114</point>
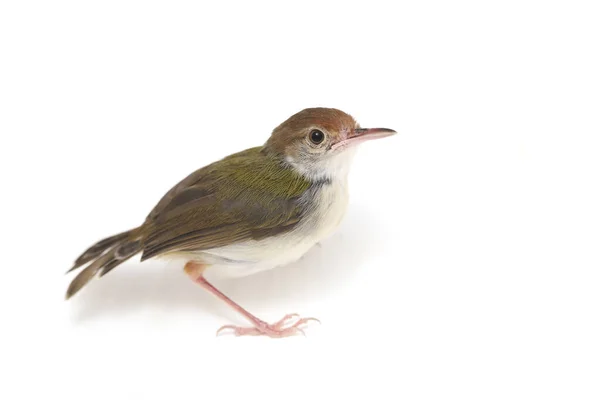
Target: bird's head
<point>320,142</point>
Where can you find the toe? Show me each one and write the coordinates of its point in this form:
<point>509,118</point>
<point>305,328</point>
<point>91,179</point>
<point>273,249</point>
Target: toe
<point>240,331</point>
<point>285,319</point>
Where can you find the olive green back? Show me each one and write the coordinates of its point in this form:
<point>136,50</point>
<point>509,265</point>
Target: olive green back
<point>248,195</point>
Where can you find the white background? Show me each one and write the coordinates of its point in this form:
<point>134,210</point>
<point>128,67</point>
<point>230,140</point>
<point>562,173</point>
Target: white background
<point>468,266</point>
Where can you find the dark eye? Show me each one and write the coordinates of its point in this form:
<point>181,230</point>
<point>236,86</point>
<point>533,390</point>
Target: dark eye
<point>316,136</point>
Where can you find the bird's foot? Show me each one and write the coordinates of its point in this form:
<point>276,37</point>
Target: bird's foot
<point>282,328</point>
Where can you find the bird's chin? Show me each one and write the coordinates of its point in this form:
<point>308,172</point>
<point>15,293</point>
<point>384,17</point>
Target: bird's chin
<point>338,163</point>
<point>334,165</point>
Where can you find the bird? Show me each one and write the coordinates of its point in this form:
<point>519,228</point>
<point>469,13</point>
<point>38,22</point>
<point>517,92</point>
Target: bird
<point>251,211</point>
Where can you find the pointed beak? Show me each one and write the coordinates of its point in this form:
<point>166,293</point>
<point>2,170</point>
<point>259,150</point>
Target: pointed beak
<point>362,135</point>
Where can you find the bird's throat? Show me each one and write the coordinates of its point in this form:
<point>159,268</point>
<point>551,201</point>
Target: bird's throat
<point>334,167</point>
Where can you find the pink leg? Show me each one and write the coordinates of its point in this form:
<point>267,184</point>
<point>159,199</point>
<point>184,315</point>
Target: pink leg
<point>278,329</point>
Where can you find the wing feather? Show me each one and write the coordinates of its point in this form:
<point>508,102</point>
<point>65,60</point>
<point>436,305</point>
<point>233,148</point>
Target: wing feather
<point>249,195</point>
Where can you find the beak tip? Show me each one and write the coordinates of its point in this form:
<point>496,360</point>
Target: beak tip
<point>384,131</point>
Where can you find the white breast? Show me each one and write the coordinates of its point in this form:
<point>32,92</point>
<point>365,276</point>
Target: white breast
<point>249,257</point>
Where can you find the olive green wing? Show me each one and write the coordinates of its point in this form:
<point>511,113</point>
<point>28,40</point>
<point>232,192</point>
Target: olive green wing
<point>249,195</point>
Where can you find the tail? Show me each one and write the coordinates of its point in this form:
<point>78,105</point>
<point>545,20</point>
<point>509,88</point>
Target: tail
<point>104,256</point>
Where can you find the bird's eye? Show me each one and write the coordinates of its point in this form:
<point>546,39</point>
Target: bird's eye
<point>316,136</point>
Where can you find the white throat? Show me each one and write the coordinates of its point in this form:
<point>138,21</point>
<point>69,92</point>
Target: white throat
<point>334,168</point>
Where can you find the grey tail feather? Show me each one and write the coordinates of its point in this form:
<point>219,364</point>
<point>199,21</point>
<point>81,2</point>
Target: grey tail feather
<point>104,256</point>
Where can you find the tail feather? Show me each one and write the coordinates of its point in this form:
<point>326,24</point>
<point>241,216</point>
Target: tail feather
<point>104,256</point>
<point>97,250</point>
<point>121,254</point>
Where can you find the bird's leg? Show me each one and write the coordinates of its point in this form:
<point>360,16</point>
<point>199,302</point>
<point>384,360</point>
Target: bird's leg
<point>282,328</point>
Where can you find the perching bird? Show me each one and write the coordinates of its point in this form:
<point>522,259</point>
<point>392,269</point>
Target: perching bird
<point>254,210</point>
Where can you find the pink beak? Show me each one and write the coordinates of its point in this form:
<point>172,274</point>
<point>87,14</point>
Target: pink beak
<point>362,135</point>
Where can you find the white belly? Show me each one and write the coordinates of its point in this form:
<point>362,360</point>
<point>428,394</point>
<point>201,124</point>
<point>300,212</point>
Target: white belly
<point>246,258</point>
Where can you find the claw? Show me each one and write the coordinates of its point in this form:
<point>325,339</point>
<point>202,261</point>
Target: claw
<point>305,320</point>
<point>221,329</point>
<point>283,320</point>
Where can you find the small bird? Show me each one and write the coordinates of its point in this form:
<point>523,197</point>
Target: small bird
<point>248,212</point>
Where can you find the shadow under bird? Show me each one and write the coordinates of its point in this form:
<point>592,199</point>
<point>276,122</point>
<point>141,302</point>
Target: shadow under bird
<point>254,210</point>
